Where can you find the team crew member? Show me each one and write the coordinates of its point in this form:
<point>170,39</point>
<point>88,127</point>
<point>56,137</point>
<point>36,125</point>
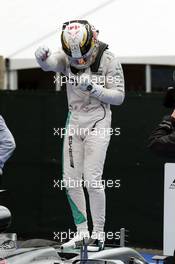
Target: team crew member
<point>94,81</point>
<point>162,139</point>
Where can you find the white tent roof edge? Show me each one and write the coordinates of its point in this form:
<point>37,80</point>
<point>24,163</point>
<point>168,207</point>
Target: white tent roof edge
<point>21,64</point>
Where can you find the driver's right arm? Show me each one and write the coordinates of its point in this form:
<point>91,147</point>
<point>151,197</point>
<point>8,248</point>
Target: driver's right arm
<point>48,61</point>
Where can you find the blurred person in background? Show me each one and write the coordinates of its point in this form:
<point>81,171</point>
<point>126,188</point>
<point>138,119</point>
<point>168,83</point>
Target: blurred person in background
<point>94,81</point>
<point>7,143</point>
<point>162,139</point>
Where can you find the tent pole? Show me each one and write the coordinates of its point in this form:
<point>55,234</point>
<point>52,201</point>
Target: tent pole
<point>148,78</point>
<point>11,77</point>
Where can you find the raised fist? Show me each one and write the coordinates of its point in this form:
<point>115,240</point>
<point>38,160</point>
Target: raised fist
<point>42,53</point>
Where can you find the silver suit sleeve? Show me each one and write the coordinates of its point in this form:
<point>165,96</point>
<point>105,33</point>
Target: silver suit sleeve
<point>113,91</point>
<point>7,142</point>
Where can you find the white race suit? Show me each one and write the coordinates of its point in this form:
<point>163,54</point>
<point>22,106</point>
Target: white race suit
<point>88,136</point>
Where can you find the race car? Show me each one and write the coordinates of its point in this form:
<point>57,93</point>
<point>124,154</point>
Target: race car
<point>50,255</point>
<point>11,254</point>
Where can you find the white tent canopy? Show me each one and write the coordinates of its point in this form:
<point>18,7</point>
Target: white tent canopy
<point>140,30</point>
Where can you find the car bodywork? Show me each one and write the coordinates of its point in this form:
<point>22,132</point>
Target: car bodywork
<point>50,255</point>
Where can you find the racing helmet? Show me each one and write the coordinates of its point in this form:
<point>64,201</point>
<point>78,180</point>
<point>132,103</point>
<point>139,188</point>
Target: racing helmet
<point>80,43</point>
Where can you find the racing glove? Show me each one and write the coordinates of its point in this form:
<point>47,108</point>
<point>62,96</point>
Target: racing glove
<point>42,53</point>
<point>50,61</point>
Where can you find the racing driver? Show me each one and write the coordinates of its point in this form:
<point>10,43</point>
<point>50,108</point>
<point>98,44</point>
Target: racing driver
<point>94,82</point>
